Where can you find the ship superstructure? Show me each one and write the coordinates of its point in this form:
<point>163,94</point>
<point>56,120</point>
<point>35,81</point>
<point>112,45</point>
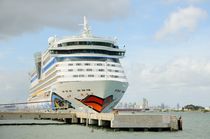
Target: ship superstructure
<point>84,70</point>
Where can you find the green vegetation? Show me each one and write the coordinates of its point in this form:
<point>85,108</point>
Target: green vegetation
<point>192,107</point>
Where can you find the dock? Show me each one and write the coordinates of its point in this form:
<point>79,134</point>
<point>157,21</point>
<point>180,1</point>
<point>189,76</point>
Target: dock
<point>131,122</point>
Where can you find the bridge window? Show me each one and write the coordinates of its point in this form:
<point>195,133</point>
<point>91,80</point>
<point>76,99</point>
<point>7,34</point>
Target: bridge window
<point>107,44</point>
<point>91,51</point>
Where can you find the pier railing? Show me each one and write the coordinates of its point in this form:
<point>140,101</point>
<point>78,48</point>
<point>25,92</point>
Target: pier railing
<point>44,106</point>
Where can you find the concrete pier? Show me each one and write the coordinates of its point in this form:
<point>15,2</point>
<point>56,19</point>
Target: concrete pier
<point>131,122</point>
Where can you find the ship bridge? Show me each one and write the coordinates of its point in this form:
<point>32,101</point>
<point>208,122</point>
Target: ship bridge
<point>85,45</point>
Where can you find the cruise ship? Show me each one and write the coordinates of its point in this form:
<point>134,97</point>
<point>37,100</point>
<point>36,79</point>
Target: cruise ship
<point>81,72</point>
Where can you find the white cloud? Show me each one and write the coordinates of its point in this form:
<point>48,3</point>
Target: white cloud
<point>182,72</point>
<point>183,80</point>
<point>181,20</point>
<point>18,17</point>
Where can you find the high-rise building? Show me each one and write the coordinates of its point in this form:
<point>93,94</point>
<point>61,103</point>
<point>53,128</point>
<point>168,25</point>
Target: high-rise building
<point>145,104</point>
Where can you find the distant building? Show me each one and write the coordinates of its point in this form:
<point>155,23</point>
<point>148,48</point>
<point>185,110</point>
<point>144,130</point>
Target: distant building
<point>177,106</point>
<point>207,108</point>
<point>145,104</point>
<point>162,106</point>
<point>125,105</point>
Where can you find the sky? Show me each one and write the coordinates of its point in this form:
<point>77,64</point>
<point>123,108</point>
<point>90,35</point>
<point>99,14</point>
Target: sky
<point>167,44</point>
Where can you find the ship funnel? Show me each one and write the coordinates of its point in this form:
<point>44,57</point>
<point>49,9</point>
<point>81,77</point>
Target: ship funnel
<point>38,63</point>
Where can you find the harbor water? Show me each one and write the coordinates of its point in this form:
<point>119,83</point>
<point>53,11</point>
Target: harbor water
<point>196,125</point>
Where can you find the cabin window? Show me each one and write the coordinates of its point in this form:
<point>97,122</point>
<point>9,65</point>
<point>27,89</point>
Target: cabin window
<point>80,69</point>
<point>89,69</point>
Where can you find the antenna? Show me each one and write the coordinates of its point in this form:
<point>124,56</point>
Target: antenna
<point>86,29</point>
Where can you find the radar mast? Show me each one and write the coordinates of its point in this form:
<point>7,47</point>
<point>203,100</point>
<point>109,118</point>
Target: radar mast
<point>86,28</point>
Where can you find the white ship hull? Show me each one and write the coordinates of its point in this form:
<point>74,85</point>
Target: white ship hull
<point>88,95</point>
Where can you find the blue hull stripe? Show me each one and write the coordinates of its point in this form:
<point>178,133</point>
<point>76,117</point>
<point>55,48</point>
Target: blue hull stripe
<point>50,64</point>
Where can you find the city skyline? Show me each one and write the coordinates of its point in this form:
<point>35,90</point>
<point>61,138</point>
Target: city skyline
<point>167,44</point>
